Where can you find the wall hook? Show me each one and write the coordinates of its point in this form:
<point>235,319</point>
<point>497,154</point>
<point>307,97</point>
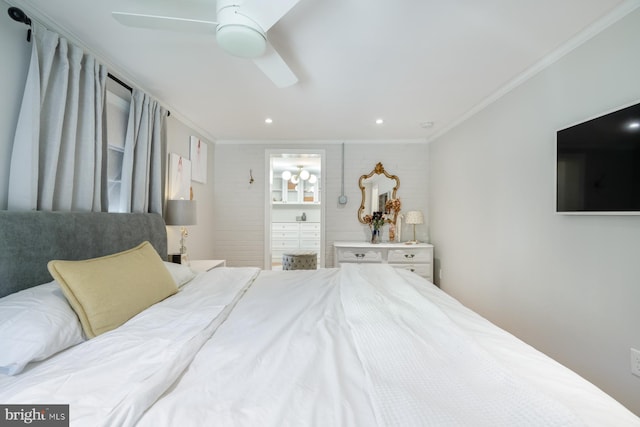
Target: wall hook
<point>251,180</point>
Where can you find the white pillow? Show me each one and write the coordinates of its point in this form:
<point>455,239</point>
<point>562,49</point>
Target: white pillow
<point>34,324</point>
<point>181,273</point>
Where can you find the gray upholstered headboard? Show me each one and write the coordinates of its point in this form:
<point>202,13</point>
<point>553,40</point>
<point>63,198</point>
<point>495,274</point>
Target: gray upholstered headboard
<point>28,240</point>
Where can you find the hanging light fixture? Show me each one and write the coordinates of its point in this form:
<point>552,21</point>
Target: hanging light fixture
<point>301,175</point>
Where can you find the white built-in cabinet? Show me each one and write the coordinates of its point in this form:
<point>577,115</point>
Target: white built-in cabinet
<point>291,236</point>
<point>284,191</point>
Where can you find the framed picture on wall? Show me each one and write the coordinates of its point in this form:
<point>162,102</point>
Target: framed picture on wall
<point>179,177</point>
<point>198,154</point>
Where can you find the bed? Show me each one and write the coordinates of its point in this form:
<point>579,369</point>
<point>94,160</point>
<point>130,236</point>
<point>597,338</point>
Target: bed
<point>355,346</point>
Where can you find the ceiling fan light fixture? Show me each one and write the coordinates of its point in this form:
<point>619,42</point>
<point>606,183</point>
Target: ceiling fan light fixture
<point>240,27</point>
<point>241,40</point>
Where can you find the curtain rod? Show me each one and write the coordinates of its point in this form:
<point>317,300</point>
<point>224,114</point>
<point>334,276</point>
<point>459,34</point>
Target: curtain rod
<point>18,15</point>
<point>120,82</point>
<point>126,86</point>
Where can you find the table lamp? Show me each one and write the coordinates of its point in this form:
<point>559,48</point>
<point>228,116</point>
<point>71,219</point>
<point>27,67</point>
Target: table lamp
<point>414,217</point>
<point>181,212</point>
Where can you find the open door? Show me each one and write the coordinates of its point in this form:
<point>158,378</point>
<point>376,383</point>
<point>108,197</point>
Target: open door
<point>295,205</point>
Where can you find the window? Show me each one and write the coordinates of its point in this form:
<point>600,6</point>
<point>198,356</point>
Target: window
<point>118,103</point>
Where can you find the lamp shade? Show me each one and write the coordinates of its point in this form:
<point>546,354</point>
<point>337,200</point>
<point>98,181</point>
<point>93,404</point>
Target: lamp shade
<point>414,217</point>
<point>180,212</point>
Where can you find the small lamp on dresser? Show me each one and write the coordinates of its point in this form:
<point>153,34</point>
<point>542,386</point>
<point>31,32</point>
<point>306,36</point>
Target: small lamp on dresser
<point>414,217</point>
<point>181,212</point>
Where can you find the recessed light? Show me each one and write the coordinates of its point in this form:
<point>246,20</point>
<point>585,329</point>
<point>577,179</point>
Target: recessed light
<point>268,120</point>
<point>379,121</point>
<point>426,125</point>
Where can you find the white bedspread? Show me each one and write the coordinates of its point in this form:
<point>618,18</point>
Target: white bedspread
<point>283,358</point>
<point>112,379</point>
<point>428,371</point>
<point>362,346</point>
<point>358,346</point>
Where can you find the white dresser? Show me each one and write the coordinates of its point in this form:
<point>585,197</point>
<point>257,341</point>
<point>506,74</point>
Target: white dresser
<point>417,258</point>
<point>288,236</point>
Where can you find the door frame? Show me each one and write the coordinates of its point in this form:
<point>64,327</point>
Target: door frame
<point>267,191</point>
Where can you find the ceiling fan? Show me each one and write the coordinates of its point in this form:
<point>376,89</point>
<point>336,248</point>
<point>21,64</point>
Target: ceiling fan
<point>240,30</point>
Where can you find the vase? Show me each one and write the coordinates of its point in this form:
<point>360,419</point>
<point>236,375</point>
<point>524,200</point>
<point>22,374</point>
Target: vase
<point>375,236</point>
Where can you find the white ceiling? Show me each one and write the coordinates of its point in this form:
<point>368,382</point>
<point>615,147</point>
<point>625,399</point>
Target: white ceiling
<point>407,61</point>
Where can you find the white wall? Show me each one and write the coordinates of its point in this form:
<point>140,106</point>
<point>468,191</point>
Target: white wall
<point>568,285</point>
<point>200,239</point>
<point>238,221</point>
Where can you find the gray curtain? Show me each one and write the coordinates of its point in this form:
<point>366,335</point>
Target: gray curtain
<point>59,150</point>
<point>142,183</point>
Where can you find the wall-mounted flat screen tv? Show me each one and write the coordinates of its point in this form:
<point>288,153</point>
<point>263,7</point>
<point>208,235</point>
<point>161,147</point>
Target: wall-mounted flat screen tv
<point>598,165</point>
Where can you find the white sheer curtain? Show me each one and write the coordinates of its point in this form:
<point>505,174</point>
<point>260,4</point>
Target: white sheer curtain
<point>142,183</point>
<point>59,149</point>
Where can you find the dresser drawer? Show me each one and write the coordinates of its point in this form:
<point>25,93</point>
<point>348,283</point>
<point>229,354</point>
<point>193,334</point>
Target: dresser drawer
<point>284,235</point>
<point>409,255</point>
<point>359,255</point>
<point>309,235</point>
<point>284,244</point>
<point>310,226</point>
<point>423,270</point>
<point>285,226</point>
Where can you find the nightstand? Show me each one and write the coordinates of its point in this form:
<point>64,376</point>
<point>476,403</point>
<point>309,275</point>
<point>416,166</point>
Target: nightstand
<point>202,265</point>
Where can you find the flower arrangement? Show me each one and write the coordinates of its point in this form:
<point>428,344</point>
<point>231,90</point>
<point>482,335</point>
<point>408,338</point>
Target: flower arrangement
<point>376,220</point>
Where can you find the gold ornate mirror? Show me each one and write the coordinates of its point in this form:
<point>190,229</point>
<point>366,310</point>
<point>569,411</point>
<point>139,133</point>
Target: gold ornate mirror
<point>377,188</point>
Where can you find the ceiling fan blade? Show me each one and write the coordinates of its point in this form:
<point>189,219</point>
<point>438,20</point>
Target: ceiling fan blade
<point>267,13</point>
<point>272,64</point>
<point>167,23</point>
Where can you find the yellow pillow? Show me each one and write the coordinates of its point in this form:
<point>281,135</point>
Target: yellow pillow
<point>105,292</point>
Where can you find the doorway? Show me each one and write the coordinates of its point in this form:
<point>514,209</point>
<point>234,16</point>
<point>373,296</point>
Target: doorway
<point>294,211</point>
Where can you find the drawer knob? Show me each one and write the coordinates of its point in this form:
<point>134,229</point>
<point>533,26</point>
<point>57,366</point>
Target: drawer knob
<point>409,255</point>
<point>359,255</point>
